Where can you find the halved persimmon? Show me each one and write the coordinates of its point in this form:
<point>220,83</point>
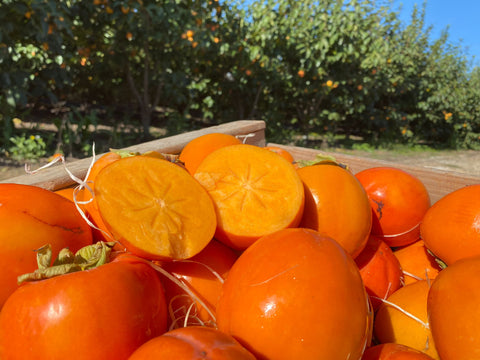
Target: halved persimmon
<point>155,208</point>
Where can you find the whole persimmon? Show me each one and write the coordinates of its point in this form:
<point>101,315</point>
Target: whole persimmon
<point>451,227</point>
<point>192,342</point>
<point>453,310</point>
<point>281,151</point>
<point>31,217</point>
<point>399,200</point>
<point>392,351</point>
<point>296,294</point>
<point>380,270</point>
<point>336,205</point>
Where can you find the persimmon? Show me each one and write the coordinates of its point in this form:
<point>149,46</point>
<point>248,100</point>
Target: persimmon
<point>103,312</point>
<point>31,217</point>
<point>453,310</point>
<point>197,149</point>
<point>204,274</point>
<point>450,228</point>
<point>336,205</point>
<point>403,319</point>
<point>192,342</point>
<point>392,351</point>
<point>380,270</point>
<point>399,200</point>
<point>155,208</point>
<point>296,294</point>
<point>417,262</point>
<point>282,152</point>
<point>255,192</point>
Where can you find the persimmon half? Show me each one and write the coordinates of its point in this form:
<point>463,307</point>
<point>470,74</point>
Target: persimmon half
<point>399,200</point>
<point>336,205</point>
<point>451,227</point>
<point>296,294</point>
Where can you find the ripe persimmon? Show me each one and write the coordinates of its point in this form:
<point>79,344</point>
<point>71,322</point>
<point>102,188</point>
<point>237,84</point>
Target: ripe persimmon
<point>399,200</point>
<point>255,192</point>
<point>453,310</point>
<point>197,149</point>
<point>403,319</point>
<point>31,217</point>
<point>451,227</point>
<point>155,208</point>
<point>392,351</point>
<point>204,274</point>
<point>192,342</point>
<point>336,205</point>
<point>417,262</point>
<point>380,270</point>
<point>296,294</point>
<point>282,152</point>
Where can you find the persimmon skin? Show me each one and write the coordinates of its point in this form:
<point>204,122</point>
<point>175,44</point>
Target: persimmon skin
<point>380,270</point>
<point>197,274</point>
<point>195,151</point>
<point>192,342</point>
<point>103,313</point>
<point>290,295</point>
<point>282,152</point>
<point>453,310</point>
<point>31,217</point>
<point>336,205</point>
<point>450,228</point>
<point>399,201</point>
<point>392,351</point>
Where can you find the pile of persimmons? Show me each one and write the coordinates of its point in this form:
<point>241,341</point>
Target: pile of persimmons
<point>234,251</point>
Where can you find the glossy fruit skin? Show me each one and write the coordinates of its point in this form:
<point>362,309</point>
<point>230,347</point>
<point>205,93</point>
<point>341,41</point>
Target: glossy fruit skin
<point>191,343</point>
<point>290,295</point>
<point>392,351</point>
<point>198,274</point>
<point>399,201</point>
<point>416,262</point>
<point>453,310</point>
<point>103,313</point>
<point>31,217</point>
<point>450,228</point>
<point>336,205</point>
<point>391,325</point>
<point>380,270</point>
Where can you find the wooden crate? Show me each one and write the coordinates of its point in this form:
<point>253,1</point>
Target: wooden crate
<point>438,183</point>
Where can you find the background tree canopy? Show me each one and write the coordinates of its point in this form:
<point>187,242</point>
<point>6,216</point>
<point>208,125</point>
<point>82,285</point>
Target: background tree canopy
<point>328,68</point>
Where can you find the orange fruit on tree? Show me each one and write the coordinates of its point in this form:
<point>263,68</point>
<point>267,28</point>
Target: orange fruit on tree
<point>192,342</point>
<point>417,262</point>
<point>392,351</point>
<point>380,270</point>
<point>255,192</point>
<point>399,201</point>
<point>336,205</point>
<point>403,319</point>
<point>296,294</point>
<point>451,227</point>
<point>197,149</point>
<point>155,208</point>
<point>453,310</point>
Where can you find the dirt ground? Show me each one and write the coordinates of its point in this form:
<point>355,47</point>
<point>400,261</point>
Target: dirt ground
<point>465,162</point>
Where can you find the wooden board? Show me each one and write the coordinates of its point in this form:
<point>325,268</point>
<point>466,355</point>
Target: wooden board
<point>54,178</point>
<point>437,182</point>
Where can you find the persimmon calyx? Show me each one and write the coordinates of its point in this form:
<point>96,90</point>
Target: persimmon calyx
<point>123,153</point>
<point>88,257</point>
<point>321,159</point>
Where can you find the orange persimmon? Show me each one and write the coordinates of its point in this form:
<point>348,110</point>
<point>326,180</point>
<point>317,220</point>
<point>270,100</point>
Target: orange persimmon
<point>392,351</point>
<point>192,342</point>
<point>296,294</point>
<point>31,217</point>
<point>281,151</point>
<point>255,192</point>
<point>336,205</point>
<point>155,208</point>
<point>197,149</point>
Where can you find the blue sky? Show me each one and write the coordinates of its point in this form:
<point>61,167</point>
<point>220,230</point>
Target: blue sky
<point>461,16</point>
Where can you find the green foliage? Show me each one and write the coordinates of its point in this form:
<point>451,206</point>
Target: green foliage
<point>27,148</point>
<point>345,68</point>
